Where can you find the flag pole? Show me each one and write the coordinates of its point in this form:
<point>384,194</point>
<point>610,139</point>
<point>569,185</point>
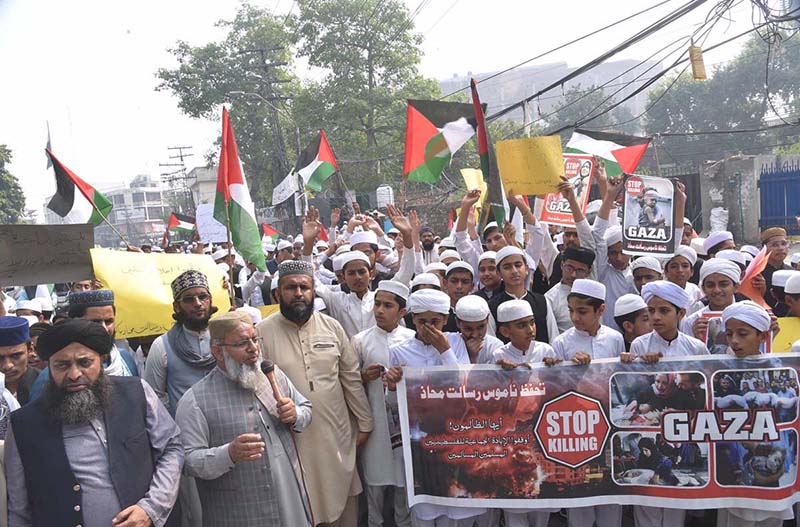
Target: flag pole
<point>230,267</point>
<point>121,237</point>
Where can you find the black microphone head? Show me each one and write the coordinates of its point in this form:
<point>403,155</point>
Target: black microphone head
<point>267,366</point>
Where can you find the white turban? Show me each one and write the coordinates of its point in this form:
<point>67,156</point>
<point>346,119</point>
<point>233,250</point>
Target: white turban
<point>283,244</point>
<point>426,279</point>
<point>628,303</point>
<point>732,255</point>
<point>513,310</point>
<point>472,308</point>
<point>429,300</point>
<point>687,252</point>
<point>748,312</point>
<point>669,291</point>
<point>715,238</point>
<point>721,266</point>
<point>448,243</point>
<point>613,235</point>
<point>646,262</point>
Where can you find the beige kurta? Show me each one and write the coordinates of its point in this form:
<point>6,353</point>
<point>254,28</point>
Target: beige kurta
<point>320,361</point>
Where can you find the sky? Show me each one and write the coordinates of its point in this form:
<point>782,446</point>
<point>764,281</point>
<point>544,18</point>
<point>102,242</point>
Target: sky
<point>88,68</point>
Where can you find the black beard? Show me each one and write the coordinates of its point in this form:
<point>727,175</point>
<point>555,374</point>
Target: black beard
<point>194,324</point>
<point>298,315</point>
<point>428,246</point>
<point>79,407</point>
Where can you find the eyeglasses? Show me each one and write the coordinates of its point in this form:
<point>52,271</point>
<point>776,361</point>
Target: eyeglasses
<point>190,299</point>
<point>574,270</point>
<point>244,344</point>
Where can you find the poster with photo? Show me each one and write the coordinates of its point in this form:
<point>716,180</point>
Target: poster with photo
<point>579,170</point>
<point>647,212</point>
<point>715,339</point>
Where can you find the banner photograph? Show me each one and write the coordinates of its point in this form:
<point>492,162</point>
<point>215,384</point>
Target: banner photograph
<point>708,432</point>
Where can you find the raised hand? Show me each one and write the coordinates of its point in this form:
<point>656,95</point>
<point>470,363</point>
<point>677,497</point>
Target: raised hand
<point>510,233</point>
<point>567,189</point>
<point>400,222</point>
<point>470,198</point>
<point>335,215</point>
<point>311,226</point>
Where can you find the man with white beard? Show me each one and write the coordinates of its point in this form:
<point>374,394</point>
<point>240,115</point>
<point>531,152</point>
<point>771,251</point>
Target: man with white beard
<point>237,434</point>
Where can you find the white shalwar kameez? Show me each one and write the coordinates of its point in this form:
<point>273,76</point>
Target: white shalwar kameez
<point>557,298</point>
<point>606,344</point>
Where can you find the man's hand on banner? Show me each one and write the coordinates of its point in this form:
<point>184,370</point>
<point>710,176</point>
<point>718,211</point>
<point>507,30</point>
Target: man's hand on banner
<point>507,364</point>
<point>651,358</point>
<point>372,372</point>
<point>551,361</point>
<point>626,357</point>
<point>392,376</point>
<point>581,358</point>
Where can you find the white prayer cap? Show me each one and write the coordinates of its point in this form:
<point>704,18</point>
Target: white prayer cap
<point>429,300</point>
<point>505,252</point>
<point>393,230</point>
<point>44,298</point>
<point>795,259</point>
<point>747,258</point>
<point>628,303</point>
<point>781,276</point>
<point>254,313</point>
<point>685,251</point>
<point>792,286</point>
<point>646,262</point>
<point>558,239</point>
<point>591,288</point>
<point>489,255</point>
<point>490,225</point>
<point>354,256</point>
<point>748,312</point>
<point>613,235</point>
<point>321,244</point>
<point>715,238</point>
<point>459,266</point>
<point>721,266</point>
<point>435,266</point>
<point>666,290</point>
<point>364,237</point>
<point>31,305</point>
<point>269,247</point>
<point>342,249</point>
<point>449,253</point>
<point>393,286</point>
<point>472,308</point>
<point>298,240</point>
<point>220,254</point>
<point>513,310</point>
<point>284,244</point>
<point>732,255</point>
<point>389,260</point>
<point>337,262</point>
<point>223,269</point>
<point>687,221</point>
<point>426,279</point>
<point>752,250</point>
<point>698,244</point>
<point>448,242</point>
<point>31,319</point>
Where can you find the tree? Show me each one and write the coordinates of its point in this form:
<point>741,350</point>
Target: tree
<point>12,199</point>
<point>581,103</point>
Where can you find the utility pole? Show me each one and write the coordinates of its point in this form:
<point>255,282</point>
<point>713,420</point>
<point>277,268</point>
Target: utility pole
<point>177,178</point>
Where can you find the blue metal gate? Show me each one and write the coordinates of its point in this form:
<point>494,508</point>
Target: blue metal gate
<point>779,186</point>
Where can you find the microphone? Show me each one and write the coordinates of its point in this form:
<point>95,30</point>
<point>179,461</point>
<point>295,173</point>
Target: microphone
<point>268,368</point>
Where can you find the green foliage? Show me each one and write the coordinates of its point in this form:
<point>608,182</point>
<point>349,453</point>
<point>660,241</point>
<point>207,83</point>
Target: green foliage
<point>12,199</point>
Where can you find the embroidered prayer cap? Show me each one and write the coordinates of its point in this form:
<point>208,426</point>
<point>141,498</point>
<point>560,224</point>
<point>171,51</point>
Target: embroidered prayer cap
<point>752,250</point>
<point>284,244</point>
<point>508,250</point>
<point>628,303</point>
<point>487,255</point>
<point>13,331</point>
<point>90,334</point>
<point>613,235</point>
<point>459,266</point>
<point>188,280</point>
<point>435,266</point>
<point>687,221</point>
<point>221,325</point>
<point>490,225</point>
<point>646,262</point>
<point>429,300</point>
<point>748,312</point>
<point>715,238</point>
<point>513,310</point>
<point>94,298</point>
<point>296,267</point>
<point>448,243</point>
<point>449,253</point>
<point>343,249</point>
<point>472,308</point>
<point>30,305</point>
<point>698,244</point>
<point>685,251</point>
<point>669,291</point>
<point>766,234</point>
<point>558,239</point>
<point>426,279</point>
<point>781,276</point>
<point>364,237</point>
<point>395,287</point>
<point>792,286</point>
<point>590,288</point>
<point>733,255</point>
<point>354,256</point>
<point>721,266</point>
<point>579,254</point>
<point>219,254</point>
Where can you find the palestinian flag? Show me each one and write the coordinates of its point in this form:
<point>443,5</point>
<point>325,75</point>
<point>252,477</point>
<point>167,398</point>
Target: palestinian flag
<point>75,200</point>
<point>316,163</point>
<point>621,153</point>
<point>435,130</point>
<point>233,206</point>
<point>495,196</point>
<point>269,232</point>
<point>180,223</point>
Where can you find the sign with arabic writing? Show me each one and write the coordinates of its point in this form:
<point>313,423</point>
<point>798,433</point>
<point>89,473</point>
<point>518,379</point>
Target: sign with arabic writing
<point>142,291</point>
<point>45,254</point>
<point>647,211</point>
<point>708,432</point>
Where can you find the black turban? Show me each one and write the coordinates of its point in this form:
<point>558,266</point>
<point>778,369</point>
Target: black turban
<point>90,334</point>
<point>579,254</point>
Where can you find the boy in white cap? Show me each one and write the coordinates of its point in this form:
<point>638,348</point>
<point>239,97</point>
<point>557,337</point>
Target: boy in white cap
<point>645,269</point>
<point>449,256</point>
<point>437,268</point>
<point>795,261</point>
<point>718,241</point>
<point>719,278</point>
<point>633,318</point>
<point>747,327</point>
<point>353,310</point>
<point>680,268</point>
<point>472,318</point>
<point>372,348</point>
<point>489,279</point>
<point>458,282</point>
<point>792,295</point>
<point>779,279</point>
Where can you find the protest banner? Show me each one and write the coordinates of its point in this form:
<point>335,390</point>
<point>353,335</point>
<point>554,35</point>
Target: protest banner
<point>647,211</point>
<point>45,254</point>
<point>530,166</point>
<point>715,339</point>
<point>141,285</point>
<point>579,170</point>
<point>209,229</point>
<point>696,432</point>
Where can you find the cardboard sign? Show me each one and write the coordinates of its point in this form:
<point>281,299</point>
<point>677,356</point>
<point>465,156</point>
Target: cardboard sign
<point>788,335</point>
<point>45,254</point>
<point>530,166</point>
<point>579,170</point>
<point>208,228</point>
<point>647,210</point>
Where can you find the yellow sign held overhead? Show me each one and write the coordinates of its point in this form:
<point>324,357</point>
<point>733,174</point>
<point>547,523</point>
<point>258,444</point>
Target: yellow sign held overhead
<point>530,166</point>
<point>142,291</point>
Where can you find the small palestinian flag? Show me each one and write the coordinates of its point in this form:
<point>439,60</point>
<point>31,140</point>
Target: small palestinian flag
<point>269,231</point>
<point>621,153</point>
<point>316,163</point>
<point>435,130</point>
<point>75,200</point>
<point>180,223</point>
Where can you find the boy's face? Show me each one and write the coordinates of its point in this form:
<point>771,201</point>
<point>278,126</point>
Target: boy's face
<point>487,272</point>
<point>794,305</point>
<point>387,311</point>
<point>617,258</point>
<point>641,325</point>
<point>584,317</point>
<point>643,276</point>
<point>719,290</point>
<point>514,270</point>
<point>520,332</point>
<point>459,285</point>
<point>494,240</point>
<point>357,276</point>
<point>743,338</point>
<point>679,270</point>
<point>664,316</point>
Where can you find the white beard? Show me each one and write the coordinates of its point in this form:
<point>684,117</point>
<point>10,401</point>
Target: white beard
<point>244,375</point>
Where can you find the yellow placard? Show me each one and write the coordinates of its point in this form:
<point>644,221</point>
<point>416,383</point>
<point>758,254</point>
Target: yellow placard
<point>269,310</point>
<point>788,335</point>
<point>530,166</point>
<point>473,179</point>
<point>141,285</point>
